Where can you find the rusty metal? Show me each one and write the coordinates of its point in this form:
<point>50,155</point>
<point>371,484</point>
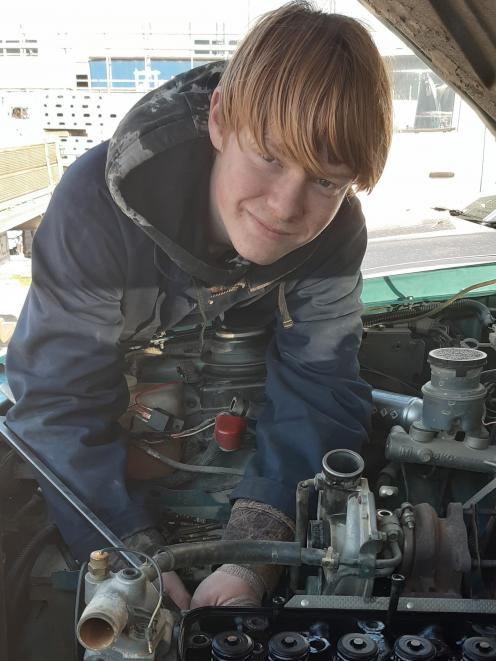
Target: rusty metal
<point>441,551</point>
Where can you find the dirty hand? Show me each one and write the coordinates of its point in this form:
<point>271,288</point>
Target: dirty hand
<point>232,586</point>
<point>175,589</point>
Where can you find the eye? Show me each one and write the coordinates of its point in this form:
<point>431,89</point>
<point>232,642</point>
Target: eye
<point>327,184</point>
<point>267,158</point>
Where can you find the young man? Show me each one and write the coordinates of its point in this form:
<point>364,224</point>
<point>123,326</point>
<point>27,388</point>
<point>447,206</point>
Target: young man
<point>240,183</point>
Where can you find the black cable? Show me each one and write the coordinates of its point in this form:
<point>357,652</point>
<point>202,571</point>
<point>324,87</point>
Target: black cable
<point>78,648</point>
<point>405,384</point>
<point>70,561</point>
<point>488,376</point>
<point>17,579</point>
<point>29,554</point>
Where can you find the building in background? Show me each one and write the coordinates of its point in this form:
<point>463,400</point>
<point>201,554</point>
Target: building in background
<point>68,84</point>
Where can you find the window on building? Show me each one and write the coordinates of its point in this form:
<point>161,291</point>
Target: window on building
<point>421,99</point>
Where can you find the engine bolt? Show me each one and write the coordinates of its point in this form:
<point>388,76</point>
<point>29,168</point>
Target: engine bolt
<point>483,646</point>
<point>98,565</point>
<point>358,643</point>
<point>288,641</point>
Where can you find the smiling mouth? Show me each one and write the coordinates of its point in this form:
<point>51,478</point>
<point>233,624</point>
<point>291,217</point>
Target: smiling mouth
<point>270,230</point>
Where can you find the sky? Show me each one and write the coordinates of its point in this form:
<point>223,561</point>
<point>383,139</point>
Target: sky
<point>93,13</point>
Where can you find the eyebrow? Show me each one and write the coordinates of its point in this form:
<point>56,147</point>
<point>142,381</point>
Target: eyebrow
<point>339,178</point>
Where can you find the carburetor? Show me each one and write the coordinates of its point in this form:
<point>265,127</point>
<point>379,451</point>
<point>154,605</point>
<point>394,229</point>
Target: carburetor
<point>362,543</point>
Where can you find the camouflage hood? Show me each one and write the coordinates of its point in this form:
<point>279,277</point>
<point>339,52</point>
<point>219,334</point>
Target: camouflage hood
<point>158,172</point>
<point>158,168</point>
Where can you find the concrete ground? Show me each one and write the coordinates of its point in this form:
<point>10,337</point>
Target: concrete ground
<point>15,278</point>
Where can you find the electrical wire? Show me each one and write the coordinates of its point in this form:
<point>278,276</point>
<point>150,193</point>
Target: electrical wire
<point>154,388</point>
<point>191,431</point>
<point>450,301</point>
<point>77,608</point>
<point>189,468</point>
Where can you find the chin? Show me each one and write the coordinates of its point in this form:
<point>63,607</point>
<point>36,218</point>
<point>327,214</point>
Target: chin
<point>257,252</point>
<point>255,257</point>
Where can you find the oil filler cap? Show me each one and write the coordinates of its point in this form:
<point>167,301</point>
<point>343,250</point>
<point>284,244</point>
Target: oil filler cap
<point>478,648</point>
<point>228,432</point>
<point>414,648</point>
<point>288,646</point>
<point>232,646</point>
<point>356,647</point>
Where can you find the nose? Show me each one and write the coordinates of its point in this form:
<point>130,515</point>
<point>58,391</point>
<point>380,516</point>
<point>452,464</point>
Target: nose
<point>285,198</point>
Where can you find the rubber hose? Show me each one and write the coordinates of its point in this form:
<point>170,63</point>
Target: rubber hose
<point>29,553</point>
<point>488,376</point>
<point>18,576</point>
<point>200,554</point>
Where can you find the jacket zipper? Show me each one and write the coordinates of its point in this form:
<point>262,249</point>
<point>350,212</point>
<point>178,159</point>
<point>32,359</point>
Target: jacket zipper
<point>287,322</point>
<point>215,292</point>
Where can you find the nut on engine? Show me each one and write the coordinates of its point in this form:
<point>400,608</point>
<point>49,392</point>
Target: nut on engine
<point>98,565</point>
<point>330,562</point>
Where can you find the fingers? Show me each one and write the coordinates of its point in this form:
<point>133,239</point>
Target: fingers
<point>221,589</point>
<point>174,587</point>
<point>245,601</point>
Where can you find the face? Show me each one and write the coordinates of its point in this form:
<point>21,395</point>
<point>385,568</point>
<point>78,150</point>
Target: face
<point>264,205</point>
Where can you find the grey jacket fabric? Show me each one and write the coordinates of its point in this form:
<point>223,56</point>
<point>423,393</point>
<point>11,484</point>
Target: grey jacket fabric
<point>121,251</point>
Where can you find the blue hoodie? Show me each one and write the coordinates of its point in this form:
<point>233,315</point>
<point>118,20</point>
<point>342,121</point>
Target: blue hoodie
<point>120,252</point>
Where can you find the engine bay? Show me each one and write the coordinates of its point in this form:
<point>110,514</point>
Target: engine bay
<point>395,549</point>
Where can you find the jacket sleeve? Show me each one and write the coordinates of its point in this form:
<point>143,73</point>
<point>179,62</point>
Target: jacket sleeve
<point>316,400</point>
<point>64,365</point>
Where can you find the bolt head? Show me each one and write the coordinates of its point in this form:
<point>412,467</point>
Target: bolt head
<point>288,641</point>
<point>415,644</point>
<point>358,643</point>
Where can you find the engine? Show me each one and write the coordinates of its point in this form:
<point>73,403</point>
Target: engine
<point>395,549</point>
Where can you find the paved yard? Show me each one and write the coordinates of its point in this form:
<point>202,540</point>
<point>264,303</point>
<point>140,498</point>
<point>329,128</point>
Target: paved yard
<point>15,278</point>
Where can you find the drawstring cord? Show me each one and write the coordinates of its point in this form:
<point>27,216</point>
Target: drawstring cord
<point>201,308</point>
<point>287,322</point>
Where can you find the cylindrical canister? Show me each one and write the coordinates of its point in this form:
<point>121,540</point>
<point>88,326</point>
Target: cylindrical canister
<point>232,646</point>
<point>288,646</point>
<point>414,648</point>
<point>356,647</point>
<point>454,394</point>
<point>479,648</point>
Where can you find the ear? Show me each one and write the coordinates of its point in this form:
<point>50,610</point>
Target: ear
<point>215,121</point>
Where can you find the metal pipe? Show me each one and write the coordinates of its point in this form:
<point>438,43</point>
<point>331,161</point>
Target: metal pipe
<point>301,527</point>
<point>26,453</point>
<point>393,409</point>
<point>382,563</point>
<point>444,452</point>
<point>103,620</point>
